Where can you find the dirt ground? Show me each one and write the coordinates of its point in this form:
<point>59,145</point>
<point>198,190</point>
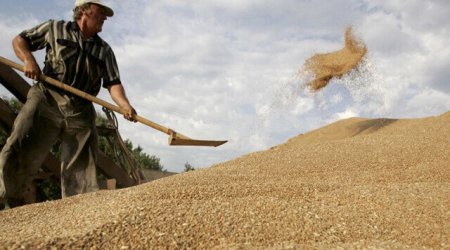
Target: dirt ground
<point>354,184</point>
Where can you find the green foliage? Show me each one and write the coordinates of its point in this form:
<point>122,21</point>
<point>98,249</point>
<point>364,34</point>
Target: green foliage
<point>56,150</point>
<point>3,136</point>
<point>101,120</point>
<point>143,160</point>
<point>188,167</point>
<point>48,190</point>
<point>15,105</point>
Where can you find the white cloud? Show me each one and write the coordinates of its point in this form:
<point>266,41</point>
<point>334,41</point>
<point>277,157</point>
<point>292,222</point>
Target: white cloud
<point>426,102</point>
<point>346,114</point>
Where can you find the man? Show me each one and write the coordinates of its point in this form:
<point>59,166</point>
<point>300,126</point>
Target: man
<point>77,56</point>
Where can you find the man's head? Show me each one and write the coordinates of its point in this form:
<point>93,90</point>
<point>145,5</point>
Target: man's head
<point>85,4</point>
<point>90,16</point>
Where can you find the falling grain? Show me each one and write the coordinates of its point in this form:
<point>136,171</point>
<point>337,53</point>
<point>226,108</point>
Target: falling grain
<point>325,67</point>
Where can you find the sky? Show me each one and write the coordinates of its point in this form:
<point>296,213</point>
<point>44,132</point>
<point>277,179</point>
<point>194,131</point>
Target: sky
<point>231,70</point>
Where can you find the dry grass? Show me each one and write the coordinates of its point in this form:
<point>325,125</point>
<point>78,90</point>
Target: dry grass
<point>356,183</point>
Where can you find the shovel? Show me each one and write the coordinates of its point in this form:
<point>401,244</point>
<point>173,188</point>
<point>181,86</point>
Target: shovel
<point>175,138</point>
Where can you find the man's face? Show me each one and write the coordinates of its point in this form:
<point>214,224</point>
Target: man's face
<point>95,17</point>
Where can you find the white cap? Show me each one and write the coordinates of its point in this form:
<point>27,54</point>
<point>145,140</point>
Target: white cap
<point>108,11</point>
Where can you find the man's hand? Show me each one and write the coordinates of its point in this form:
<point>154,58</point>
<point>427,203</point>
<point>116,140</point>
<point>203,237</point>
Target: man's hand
<point>130,113</point>
<point>31,69</point>
<point>118,95</point>
<point>23,52</point>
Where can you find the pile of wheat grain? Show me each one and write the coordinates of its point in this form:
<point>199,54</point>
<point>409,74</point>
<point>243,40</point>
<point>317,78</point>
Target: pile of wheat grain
<point>355,183</point>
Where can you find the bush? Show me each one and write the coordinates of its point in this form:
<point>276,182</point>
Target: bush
<point>188,167</point>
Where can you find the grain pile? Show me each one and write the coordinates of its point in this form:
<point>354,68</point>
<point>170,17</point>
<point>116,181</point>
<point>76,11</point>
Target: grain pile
<point>324,67</point>
<point>357,183</point>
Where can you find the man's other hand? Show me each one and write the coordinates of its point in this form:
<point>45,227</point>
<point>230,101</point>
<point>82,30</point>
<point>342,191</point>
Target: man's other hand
<point>130,113</point>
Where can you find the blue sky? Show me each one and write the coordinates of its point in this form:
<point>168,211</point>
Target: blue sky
<point>229,69</point>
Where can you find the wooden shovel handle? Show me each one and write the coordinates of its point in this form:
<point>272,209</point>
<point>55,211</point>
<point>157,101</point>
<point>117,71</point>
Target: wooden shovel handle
<point>92,98</point>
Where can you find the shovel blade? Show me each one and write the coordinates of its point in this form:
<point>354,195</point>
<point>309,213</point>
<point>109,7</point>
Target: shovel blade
<point>192,142</point>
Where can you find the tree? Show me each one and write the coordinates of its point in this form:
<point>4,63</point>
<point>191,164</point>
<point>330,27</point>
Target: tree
<point>188,167</point>
<point>3,136</point>
<point>143,159</point>
<point>15,105</point>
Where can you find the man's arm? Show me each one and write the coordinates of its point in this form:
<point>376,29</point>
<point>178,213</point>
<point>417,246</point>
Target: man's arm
<point>118,95</point>
<point>23,52</point>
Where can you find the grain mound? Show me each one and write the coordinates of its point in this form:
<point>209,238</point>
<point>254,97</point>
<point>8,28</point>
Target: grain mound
<point>358,183</point>
<point>326,66</point>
